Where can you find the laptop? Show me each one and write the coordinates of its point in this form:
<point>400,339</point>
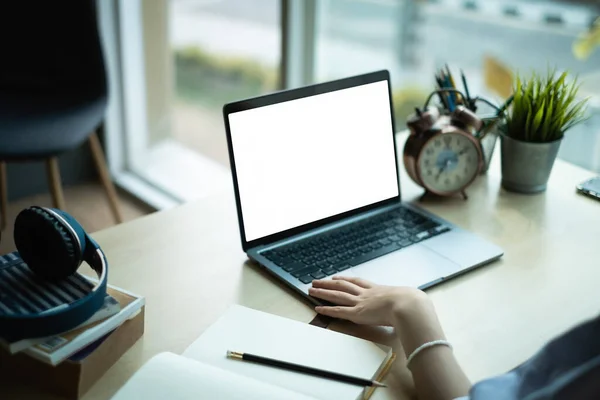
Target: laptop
<point>317,190</point>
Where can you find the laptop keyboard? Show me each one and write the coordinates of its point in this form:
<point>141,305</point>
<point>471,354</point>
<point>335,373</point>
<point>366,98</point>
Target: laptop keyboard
<point>354,244</point>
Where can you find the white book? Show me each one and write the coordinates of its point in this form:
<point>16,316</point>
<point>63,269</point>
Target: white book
<point>210,374</point>
<point>169,376</point>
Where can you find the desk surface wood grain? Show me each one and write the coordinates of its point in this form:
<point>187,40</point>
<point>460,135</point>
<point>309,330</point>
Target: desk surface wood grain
<point>189,265</point>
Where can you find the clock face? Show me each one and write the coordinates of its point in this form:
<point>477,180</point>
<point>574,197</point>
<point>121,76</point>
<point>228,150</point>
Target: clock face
<point>448,163</point>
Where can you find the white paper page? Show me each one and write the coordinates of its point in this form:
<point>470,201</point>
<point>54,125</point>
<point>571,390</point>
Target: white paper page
<point>169,376</point>
<point>247,330</point>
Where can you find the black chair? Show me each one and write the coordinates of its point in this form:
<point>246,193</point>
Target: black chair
<point>53,89</point>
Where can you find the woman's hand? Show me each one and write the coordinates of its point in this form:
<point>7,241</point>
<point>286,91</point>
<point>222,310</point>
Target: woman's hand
<point>363,302</point>
<point>436,372</point>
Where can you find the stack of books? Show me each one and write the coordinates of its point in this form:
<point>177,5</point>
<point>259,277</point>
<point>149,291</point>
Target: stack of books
<point>119,306</point>
<point>70,362</point>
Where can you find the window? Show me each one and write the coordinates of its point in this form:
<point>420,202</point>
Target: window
<point>221,51</point>
<point>414,38</point>
<point>174,63</point>
<point>180,61</point>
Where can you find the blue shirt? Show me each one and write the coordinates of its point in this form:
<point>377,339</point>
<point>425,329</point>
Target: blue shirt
<point>567,368</point>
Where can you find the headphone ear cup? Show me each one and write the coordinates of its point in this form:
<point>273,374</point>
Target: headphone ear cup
<point>48,247</point>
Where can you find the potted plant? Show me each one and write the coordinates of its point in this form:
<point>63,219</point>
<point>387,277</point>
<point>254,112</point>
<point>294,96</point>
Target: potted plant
<point>543,110</point>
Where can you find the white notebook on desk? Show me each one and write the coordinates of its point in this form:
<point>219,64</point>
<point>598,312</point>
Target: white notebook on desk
<point>204,371</point>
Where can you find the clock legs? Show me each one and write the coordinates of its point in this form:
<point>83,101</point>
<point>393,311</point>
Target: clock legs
<point>427,195</point>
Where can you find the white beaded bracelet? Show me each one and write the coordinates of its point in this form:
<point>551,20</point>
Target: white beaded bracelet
<point>426,346</point>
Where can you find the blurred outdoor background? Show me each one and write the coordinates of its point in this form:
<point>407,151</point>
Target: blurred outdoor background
<point>200,54</point>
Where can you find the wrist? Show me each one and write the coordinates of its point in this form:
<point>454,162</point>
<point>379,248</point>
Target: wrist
<point>409,305</point>
<point>416,322</point>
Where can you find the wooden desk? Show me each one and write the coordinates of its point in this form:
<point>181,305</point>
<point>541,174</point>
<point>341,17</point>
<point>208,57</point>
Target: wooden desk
<point>188,264</point>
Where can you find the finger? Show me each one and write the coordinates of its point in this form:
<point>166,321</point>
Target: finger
<point>335,312</point>
<point>339,285</point>
<point>355,280</point>
<point>334,296</point>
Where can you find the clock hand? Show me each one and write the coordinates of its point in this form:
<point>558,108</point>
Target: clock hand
<point>446,165</point>
<point>437,178</point>
<point>463,151</point>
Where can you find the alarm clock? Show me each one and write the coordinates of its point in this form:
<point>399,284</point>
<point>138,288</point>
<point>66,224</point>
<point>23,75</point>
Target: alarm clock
<point>442,154</point>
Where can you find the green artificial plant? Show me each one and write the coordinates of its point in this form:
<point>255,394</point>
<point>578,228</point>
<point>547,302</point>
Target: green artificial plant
<point>544,108</point>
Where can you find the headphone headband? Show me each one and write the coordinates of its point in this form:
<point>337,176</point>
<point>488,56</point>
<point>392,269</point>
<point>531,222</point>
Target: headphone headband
<point>33,306</point>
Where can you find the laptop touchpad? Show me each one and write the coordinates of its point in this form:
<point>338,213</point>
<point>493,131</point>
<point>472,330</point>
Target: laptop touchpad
<point>413,266</point>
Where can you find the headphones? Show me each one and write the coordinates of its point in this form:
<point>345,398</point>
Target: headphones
<point>40,294</point>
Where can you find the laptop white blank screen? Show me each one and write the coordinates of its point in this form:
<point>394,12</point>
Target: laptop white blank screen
<point>307,159</point>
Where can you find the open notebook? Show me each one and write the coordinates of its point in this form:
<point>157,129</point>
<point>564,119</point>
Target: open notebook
<point>204,371</point>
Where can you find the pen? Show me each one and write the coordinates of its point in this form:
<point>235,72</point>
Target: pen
<point>445,83</point>
<point>451,96</point>
<point>506,104</point>
<point>303,369</point>
<point>499,114</point>
<point>450,77</point>
<point>451,82</point>
<point>464,80</point>
<point>442,96</point>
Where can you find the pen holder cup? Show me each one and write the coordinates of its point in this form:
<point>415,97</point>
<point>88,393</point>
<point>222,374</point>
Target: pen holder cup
<point>488,138</point>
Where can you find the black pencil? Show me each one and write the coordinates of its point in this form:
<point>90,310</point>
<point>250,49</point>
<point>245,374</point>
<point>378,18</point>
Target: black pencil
<point>303,369</point>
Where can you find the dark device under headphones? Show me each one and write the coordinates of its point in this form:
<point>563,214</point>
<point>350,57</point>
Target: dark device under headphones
<point>34,297</point>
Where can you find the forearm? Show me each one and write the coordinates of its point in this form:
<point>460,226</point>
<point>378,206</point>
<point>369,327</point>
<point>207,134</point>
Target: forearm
<point>436,373</point>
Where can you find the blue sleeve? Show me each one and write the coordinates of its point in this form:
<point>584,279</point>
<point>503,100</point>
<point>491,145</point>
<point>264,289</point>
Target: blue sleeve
<point>568,367</point>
